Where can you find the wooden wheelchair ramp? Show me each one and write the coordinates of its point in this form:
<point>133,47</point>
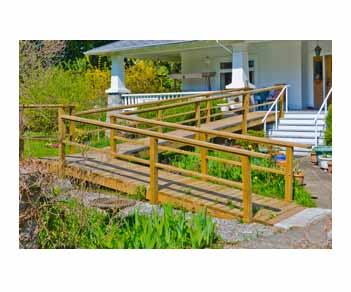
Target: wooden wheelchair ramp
<point>232,123</point>
<point>189,193</point>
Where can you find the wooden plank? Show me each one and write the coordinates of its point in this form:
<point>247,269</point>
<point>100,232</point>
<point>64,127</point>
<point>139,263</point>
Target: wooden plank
<point>246,106</point>
<point>113,133</point>
<point>289,176</point>
<point>62,146</point>
<point>247,195</point>
<point>72,131</point>
<point>153,190</point>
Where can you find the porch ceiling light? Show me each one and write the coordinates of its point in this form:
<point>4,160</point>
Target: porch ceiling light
<point>318,50</point>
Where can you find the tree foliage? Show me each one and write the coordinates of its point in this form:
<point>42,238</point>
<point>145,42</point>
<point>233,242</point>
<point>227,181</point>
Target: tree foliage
<point>145,76</point>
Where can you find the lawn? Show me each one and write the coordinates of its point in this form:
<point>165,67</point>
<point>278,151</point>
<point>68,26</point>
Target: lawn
<point>37,149</point>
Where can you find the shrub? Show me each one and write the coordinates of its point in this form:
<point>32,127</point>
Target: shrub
<point>328,135</point>
<point>79,84</point>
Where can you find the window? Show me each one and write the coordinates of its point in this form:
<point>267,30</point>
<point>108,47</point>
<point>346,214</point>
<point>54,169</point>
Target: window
<point>226,73</point>
<point>226,65</point>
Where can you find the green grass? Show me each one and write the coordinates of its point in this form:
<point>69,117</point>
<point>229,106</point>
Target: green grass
<point>71,225</point>
<point>37,149</point>
<point>263,183</point>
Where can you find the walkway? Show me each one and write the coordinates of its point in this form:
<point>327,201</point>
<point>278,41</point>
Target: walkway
<point>189,193</point>
<point>318,183</point>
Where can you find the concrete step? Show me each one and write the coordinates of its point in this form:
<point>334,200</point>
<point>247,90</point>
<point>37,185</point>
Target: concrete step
<point>300,122</point>
<point>298,128</point>
<point>307,116</point>
<point>293,134</point>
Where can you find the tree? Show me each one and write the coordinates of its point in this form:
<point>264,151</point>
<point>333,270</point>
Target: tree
<point>144,76</point>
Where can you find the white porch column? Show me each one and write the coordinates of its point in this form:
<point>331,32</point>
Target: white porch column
<point>117,82</point>
<point>240,70</point>
<point>240,67</point>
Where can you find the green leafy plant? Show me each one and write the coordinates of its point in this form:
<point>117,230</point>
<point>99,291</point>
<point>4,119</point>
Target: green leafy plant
<point>328,135</point>
<point>263,183</point>
<point>71,225</point>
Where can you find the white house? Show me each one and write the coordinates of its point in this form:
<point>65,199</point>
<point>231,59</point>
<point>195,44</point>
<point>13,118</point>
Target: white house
<point>215,65</point>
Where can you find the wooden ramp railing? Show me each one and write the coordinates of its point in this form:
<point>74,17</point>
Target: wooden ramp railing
<point>201,142</point>
<point>199,108</point>
<point>60,108</point>
<point>123,126</point>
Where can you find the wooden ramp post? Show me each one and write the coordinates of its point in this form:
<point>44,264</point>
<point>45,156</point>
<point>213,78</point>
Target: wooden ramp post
<point>153,189</point>
<point>203,155</point>
<point>247,195</point>
<point>281,105</point>
<point>113,145</point>
<point>72,131</point>
<point>246,109</point>
<point>159,118</point>
<point>208,110</point>
<point>62,145</point>
<point>289,175</point>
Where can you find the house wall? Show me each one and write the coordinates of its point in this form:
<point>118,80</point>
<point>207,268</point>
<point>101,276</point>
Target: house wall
<point>307,67</point>
<point>276,62</point>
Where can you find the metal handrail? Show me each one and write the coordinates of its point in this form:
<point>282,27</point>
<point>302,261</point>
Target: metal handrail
<point>275,104</point>
<point>325,106</point>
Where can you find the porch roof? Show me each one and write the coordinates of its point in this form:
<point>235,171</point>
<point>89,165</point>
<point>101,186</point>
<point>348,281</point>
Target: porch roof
<point>128,45</point>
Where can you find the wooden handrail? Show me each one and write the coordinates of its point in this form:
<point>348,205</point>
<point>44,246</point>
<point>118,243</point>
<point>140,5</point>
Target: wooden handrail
<point>56,106</point>
<point>240,91</point>
<point>258,140</point>
<point>163,136</point>
<point>121,107</point>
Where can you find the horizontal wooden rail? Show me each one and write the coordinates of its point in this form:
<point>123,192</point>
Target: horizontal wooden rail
<point>190,142</point>
<point>107,152</point>
<point>121,107</point>
<point>261,104</point>
<point>215,133</point>
<point>240,91</point>
<point>46,106</point>
<point>200,175</point>
<point>195,154</point>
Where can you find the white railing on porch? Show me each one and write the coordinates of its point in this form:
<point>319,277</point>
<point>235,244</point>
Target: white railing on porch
<point>275,105</point>
<point>137,98</point>
<point>325,106</point>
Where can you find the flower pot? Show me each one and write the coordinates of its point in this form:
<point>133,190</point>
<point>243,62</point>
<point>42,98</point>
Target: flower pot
<point>314,159</point>
<point>299,178</point>
<point>323,162</point>
<point>330,166</point>
<point>280,160</point>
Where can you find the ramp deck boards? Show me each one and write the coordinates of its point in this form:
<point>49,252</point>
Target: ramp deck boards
<point>190,193</point>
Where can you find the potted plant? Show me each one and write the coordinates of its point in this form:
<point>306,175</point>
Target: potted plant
<point>323,161</point>
<point>299,175</point>
<point>314,159</point>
